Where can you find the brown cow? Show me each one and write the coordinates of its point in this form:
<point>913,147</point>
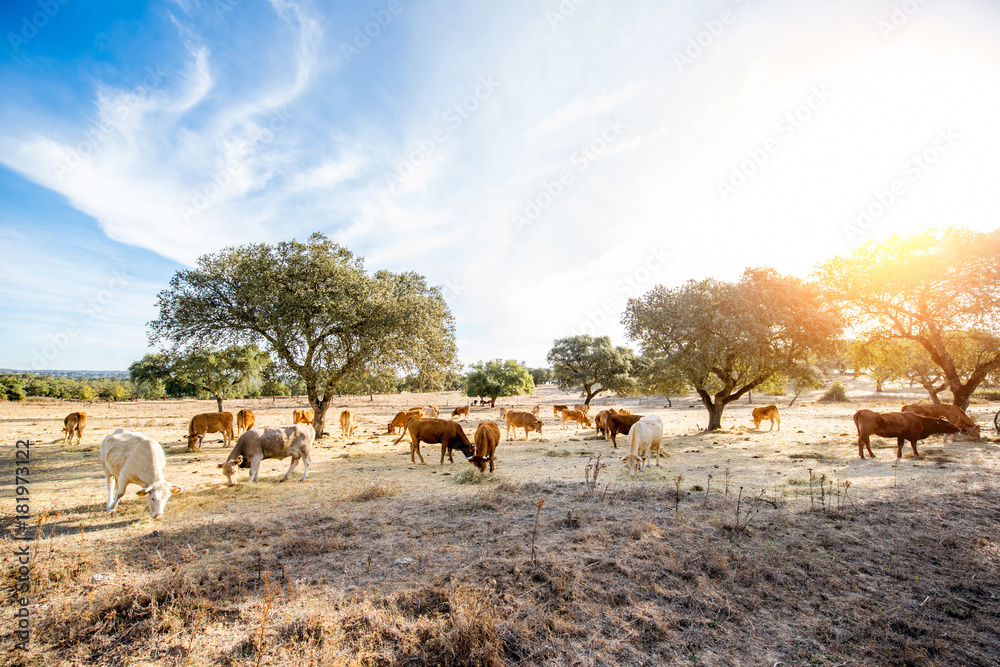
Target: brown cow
<point>74,422</point>
<point>577,416</point>
<point>450,434</point>
<point>535,410</point>
<point>622,411</point>
<point>582,407</point>
<point>420,412</point>
<point>210,422</point>
<point>616,424</point>
<point>244,421</point>
<point>767,412</point>
<point>348,423</point>
<point>600,420</point>
<point>900,425</point>
<point>557,408</point>
<point>486,438</point>
<point>525,420</point>
<point>399,421</point>
<point>435,410</point>
<point>302,416</point>
<point>459,411</point>
<point>952,413</point>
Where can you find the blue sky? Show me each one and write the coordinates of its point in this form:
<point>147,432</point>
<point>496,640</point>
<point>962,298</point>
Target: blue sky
<point>542,161</point>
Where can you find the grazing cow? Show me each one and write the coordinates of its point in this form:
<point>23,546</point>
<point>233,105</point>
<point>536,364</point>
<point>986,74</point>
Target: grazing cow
<point>504,411</point>
<point>273,442</point>
<point>644,436</point>
<point>303,416</point>
<point>420,412</point>
<point>769,412</point>
<point>133,458</point>
<point>460,411</point>
<point>900,425</point>
<point>399,421</point>
<point>577,416</point>
<point>348,423</point>
<point>525,420</point>
<point>450,434</point>
<point>600,421</point>
<point>557,408</point>
<point>582,407</point>
<point>244,421</point>
<point>210,422</point>
<point>952,413</point>
<point>74,422</point>
<point>616,424</point>
<point>535,410</point>
<point>486,438</point>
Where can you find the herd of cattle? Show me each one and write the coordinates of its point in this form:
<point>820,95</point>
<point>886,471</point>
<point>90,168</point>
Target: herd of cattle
<point>133,458</point>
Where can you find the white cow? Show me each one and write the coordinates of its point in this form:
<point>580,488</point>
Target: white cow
<point>644,436</point>
<point>133,458</point>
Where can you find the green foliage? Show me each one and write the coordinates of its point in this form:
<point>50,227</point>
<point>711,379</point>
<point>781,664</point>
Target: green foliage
<point>933,288</point>
<point>837,393</point>
<point>592,365</point>
<point>493,379</point>
<point>726,339</point>
<point>541,376</point>
<point>904,360</point>
<point>85,392</point>
<point>317,311</point>
<point>221,374</point>
<point>11,388</point>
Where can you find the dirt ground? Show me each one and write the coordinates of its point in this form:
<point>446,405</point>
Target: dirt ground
<point>744,547</point>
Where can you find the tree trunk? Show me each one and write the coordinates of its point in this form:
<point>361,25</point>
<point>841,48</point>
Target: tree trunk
<point>319,406</point>
<point>715,416</point>
<point>669,403</point>
<point>794,398</point>
<point>962,396</point>
<point>933,392</point>
<point>878,386</point>
<point>219,401</point>
<point>750,397</point>
<point>493,401</point>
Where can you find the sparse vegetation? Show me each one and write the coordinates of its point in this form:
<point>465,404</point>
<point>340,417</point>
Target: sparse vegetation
<point>837,393</point>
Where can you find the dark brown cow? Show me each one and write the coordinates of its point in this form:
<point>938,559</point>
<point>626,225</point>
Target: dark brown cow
<point>952,413</point>
<point>900,425</point>
<point>616,424</point>
<point>486,438</point>
<point>450,434</point>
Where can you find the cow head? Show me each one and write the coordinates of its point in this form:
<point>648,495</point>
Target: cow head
<point>632,462</point>
<point>972,431</point>
<point>157,495</point>
<point>230,468</point>
<point>946,426</point>
<point>479,461</point>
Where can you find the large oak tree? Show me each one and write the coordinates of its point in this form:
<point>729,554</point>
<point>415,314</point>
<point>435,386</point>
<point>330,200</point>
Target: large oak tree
<point>726,339</point>
<point>591,366</point>
<point>314,307</point>
<point>496,378</point>
<point>937,288</point>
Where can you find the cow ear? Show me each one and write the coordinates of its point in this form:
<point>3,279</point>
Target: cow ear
<point>175,489</point>
<point>142,492</point>
<point>239,459</point>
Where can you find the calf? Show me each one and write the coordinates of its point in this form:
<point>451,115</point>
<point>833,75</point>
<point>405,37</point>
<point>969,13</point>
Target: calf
<point>486,438</point>
<point>900,425</point>
<point>303,416</point>
<point>274,442</point>
<point>768,412</point>
<point>244,421</point>
<point>210,422</point>
<point>525,420</point>
<point>460,411</point>
<point>74,422</point>
<point>450,434</point>
<point>348,423</point>
<point>133,458</point>
<point>557,408</point>
<point>577,416</point>
<point>952,413</point>
<point>616,424</point>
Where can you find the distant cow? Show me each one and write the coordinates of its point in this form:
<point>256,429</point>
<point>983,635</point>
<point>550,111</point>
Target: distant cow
<point>450,434</point>
<point>768,412</point>
<point>273,442</point>
<point>420,412</point>
<point>535,410</point>
<point>557,408</point>
<point>600,421</point>
<point>616,424</point>
<point>952,413</point>
<point>210,422</point>
<point>460,411</point>
<point>900,425</point>
<point>399,421</point>
<point>303,416</point>
<point>435,410</point>
<point>486,438</point>
<point>244,421</point>
<point>348,423</point>
<point>133,458</point>
<point>74,422</point>
<point>582,407</point>
<point>525,420</point>
<point>577,416</point>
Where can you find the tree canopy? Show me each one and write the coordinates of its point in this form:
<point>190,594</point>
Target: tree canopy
<point>591,366</point>
<point>496,378</point>
<point>726,339</point>
<point>937,288</point>
<point>313,307</point>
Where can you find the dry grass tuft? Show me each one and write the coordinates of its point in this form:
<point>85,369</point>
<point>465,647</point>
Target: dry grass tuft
<point>471,475</point>
<point>376,488</point>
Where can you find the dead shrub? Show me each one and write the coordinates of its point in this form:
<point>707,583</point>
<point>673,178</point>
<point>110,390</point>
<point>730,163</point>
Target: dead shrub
<point>377,488</point>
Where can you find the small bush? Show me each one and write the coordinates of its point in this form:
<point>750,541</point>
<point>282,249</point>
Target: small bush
<point>472,476</point>
<point>835,394</point>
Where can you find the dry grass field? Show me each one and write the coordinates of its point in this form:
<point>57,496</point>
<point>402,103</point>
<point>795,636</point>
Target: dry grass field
<point>744,548</point>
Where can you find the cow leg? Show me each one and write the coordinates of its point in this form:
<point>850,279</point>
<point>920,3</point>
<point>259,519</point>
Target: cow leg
<point>444,448</point>
<point>415,447</point>
<point>295,461</point>
<point>112,487</point>
<point>255,466</point>
<point>899,447</point>
<point>772,426</point>
<point>118,493</point>
<point>305,464</point>
<point>779,422</point>
<point>913,443</point>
